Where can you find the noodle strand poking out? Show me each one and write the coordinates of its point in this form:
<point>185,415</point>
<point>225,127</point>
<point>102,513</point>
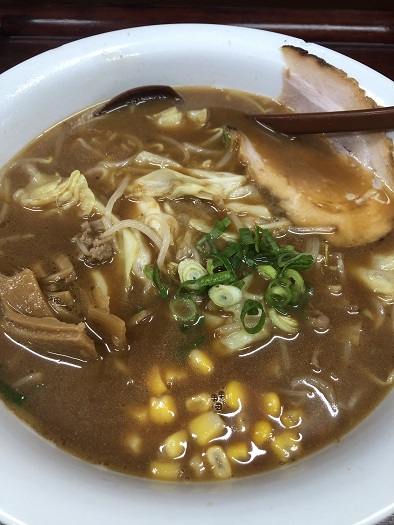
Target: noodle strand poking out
<point>164,312</point>
<point>137,225</point>
<point>116,195</point>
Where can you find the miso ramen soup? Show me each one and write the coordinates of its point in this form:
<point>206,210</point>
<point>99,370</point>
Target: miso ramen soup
<point>162,315</point>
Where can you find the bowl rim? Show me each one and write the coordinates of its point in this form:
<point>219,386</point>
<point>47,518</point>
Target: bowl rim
<point>205,501</point>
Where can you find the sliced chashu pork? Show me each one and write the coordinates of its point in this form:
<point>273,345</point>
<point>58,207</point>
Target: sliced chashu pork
<point>313,85</point>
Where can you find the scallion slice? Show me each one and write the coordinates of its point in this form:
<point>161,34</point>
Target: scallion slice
<point>297,286</point>
<point>228,263</point>
<point>267,271</point>
<point>154,274</point>
<point>183,309</point>
<point>296,261</point>
<point>219,228</point>
<point>278,295</point>
<point>200,285</point>
<point>190,270</point>
<point>250,307</point>
<point>225,295</point>
<point>246,236</point>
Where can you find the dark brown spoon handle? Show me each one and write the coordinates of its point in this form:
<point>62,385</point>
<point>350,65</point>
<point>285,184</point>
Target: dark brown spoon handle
<point>328,122</point>
<point>137,96</point>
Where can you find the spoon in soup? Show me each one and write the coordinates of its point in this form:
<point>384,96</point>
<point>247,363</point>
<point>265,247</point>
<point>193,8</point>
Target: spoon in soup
<point>328,121</point>
<point>137,96</point>
<point>287,123</point>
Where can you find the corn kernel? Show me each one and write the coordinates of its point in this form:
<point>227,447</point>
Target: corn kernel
<point>139,414</point>
<point>134,443</point>
<point>261,432</point>
<point>121,367</point>
<point>175,445</point>
<point>271,404</point>
<point>239,422</point>
<point>156,384</point>
<point>219,462</point>
<point>292,418</point>
<point>238,452</point>
<point>197,464</point>
<point>199,403</point>
<point>205,427</point>
<point>169,470</point>
<point>172,375</point>
<point>162,409</point>
<point>286,445</point>
<point>236,395</point>
<point>200,362</point>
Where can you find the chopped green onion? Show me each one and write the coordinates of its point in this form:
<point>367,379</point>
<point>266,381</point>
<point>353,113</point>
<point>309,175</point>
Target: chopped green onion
<point>246,236</point>
<point>294,260</point>
<point>154,274</point>
<point>267,271</point>
<point>227,137</point>
<point>268,238</point>
<point>297,286</point>
<point>183,309</point>
<point>239,284</point>
<point>226,268</point>
<point>219,261</point>
<point>190,270</point>
<point>199,286</point>
<point>252,307</point>
<point>10,394</point>
<point>225,295</point>
<point>234,253</point>
<point>210,266</point>
<point>278,295</point>
<point>219,228</point>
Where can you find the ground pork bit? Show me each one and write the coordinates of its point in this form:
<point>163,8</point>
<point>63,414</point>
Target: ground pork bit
<point>319,321</point>
<point>93,248</point>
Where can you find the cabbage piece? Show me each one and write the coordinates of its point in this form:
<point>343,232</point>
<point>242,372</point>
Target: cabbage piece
<point>172,117</point>
<point>384,261</point>
<point>152,215</point>
<point>206,227</point>
<point>241,340</point>
<point>379,277</point>
<point>134,255</point>
<point>52,193</point>
<point>379,281</point>
<point>131,250</point>
<point>207,185</point>
<point>257,211</point>
<point>146,159</point>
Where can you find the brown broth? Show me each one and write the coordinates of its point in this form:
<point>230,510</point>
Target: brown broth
<point>91,411</point>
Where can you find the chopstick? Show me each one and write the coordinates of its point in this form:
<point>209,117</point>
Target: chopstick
<point>328,122</point>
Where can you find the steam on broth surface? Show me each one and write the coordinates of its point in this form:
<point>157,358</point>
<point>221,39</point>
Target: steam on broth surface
<point>162,315</point>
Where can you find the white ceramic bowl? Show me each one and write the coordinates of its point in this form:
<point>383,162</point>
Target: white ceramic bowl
<point>346,483</point>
